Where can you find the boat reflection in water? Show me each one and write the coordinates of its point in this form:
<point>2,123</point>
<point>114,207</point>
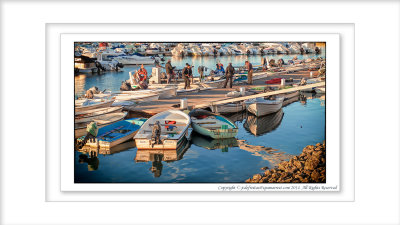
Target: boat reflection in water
<point>273,156</point>
<point>212,144</point>
<point>157,156</point>
<point>236,117</point>
<point>90,154</point>
<point>92,161</point>
<point>262,125</point>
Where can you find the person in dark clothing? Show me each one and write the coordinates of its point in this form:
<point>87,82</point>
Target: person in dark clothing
<point>229,72</point>
<point>187,73</point>
<point>250,72</point>
<point>170,71</point>
<point>200,69</point>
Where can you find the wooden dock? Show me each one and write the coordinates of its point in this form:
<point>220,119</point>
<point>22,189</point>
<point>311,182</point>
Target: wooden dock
<point>208,98</point>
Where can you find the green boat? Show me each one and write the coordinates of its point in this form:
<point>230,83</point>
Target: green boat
<point>212,125</point>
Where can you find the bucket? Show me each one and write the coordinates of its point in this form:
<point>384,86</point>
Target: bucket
<point>184,103</point>
<point>242,91</point>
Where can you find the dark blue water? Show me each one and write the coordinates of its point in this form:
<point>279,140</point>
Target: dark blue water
<point>233,160</point>
<point>112,80</point>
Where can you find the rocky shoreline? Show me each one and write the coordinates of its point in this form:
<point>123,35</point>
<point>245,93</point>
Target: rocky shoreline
<point>308,167</point>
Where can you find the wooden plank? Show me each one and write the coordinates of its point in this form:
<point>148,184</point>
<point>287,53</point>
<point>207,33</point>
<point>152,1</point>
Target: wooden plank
<point>299,88</point>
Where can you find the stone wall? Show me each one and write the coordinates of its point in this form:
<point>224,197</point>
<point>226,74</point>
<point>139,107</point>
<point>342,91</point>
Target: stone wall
<point>308,167</point>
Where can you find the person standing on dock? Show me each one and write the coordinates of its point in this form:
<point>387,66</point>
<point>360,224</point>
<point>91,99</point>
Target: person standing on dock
<point>250,73</point>
<point>264,63</point>
<point>201,69</point>
<point>170,71</point>
<point>187,73</point>
<point>230,71</point>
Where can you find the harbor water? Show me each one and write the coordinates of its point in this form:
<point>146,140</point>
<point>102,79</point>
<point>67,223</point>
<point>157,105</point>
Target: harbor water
<point>261,142</point>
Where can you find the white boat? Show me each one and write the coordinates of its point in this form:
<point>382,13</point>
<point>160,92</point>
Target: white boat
<point>137,98</point>
<point>103,120</point>
<point>174,127</point>
<point>167,92</point>
<point>96,112</point>
<point>261,106</point>
<point>135,60</point>
<point>119,97</point>
<point>228,108</point>
<point>184,91</point>
<point>214,84</point>
<point>152,51</point>
<point>88,104</point>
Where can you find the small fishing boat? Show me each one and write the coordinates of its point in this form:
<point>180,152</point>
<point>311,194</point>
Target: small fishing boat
<point>116,133</point>
<point>214,84</point>
<point>167,155</point>
<point>262,107</point>
<point>262,125</point>
<point>289,95</point>
<point>136,98</point>
<point>119,97</point>
<point>174,127</point>
<point>167,92</point>
<point>184,91</point>
<point>88,104</point>
<point>96,112</point>
<point>274,81</point>
<point>135,60</point>
<point>212,125</point>
<point>228,108</point>
<point>103,120</point>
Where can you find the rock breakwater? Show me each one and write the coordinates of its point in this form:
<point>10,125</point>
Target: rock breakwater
<point>308,167</point>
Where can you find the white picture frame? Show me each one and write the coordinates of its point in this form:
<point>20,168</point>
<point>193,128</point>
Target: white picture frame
<point>27,198</point>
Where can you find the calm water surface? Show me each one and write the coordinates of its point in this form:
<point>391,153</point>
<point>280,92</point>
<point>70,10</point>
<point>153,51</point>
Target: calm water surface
<point>260,142</point>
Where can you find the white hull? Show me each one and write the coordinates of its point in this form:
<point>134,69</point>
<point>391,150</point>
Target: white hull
<point>96,105</point>
<point>228,108</point>
<point>169,139</point>
<point>162,92</point>
<point>126,60</point>
<point>214,84</point>
<point>264,107</point>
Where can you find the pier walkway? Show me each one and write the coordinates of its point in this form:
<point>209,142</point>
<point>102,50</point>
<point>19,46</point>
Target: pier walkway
<point>208,98</point>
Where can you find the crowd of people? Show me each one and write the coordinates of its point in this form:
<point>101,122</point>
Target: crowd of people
<point>172,75</point>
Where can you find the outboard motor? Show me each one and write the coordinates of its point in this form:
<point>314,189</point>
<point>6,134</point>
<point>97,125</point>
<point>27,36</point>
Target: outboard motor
<point>156,133</point>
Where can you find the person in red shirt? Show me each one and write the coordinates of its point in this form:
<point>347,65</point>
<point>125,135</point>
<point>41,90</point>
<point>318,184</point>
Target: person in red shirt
<point>142,73</point>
